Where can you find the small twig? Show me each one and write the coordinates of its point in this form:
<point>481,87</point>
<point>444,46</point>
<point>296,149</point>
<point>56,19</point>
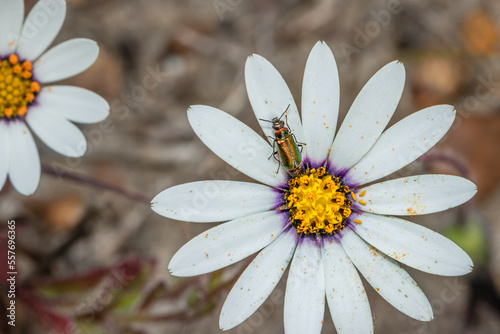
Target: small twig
<point>109,187</point>
<point>460,167</point>
<point>186,314</point>
<point>462,170</point>
<point>97,184</point>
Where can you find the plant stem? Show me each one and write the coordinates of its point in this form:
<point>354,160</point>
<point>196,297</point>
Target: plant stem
<point>134,196</point>
<point>459,166</point>
<point>79,178</point>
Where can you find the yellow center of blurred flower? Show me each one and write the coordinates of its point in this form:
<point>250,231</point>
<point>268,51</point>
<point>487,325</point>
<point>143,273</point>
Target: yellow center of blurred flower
<point>318,202</point>
<point>17,89</point>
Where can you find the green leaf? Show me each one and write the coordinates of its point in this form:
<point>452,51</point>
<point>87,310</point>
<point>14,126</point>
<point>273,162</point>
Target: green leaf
<point>193,298</point>
<point>88,327</point>
<point>129,297</point>
<point>215,280</point>
<point>471,238</point>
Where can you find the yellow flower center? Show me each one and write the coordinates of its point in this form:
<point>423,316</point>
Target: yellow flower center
<point>318,202</point>
<point>17,89</point>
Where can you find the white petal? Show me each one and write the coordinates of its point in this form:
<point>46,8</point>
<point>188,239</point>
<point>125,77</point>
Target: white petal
<point>258,281</point>
<point>214,201</point>
<point>270,96</point>
<point>11,20</point>
<point>413,245</point>
<point>417,195</point>
<point>369,115</point>
<point>56,132</point>
<point>24,166</point>
<point>320,103</point>
<point>41,28</point>
<point>4,151</point>
<point>345,293</point>
<point>74,103</point>
<point>386,276</point>
<point>226,244</point>
<point>66,60</point>
<point>305,290</point>
<point>236,144</point>
<point>403,143</point>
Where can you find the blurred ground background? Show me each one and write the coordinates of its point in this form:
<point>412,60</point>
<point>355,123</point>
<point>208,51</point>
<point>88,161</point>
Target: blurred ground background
<point>91,260</point>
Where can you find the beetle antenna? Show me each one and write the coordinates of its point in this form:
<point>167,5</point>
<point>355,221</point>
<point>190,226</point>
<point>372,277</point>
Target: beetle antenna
<point>284,112</point>
<point>265,120</point>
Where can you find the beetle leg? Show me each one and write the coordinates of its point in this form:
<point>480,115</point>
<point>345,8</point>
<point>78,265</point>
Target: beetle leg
<point>299,144</point>
<point>275,152</point>
<point>274,155</point>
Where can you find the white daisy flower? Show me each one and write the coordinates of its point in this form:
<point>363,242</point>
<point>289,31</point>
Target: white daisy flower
<point>25,100</point>
<point>324,218</point>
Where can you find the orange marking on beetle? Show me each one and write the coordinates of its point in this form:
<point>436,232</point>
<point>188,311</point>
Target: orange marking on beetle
<point>279,130</point>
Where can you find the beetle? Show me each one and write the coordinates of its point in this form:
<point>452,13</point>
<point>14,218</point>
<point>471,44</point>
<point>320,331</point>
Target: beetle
<point>285,145</point>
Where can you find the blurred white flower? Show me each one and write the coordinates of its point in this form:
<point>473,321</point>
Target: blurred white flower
<point>325,216</point>
<point>25,100</point>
